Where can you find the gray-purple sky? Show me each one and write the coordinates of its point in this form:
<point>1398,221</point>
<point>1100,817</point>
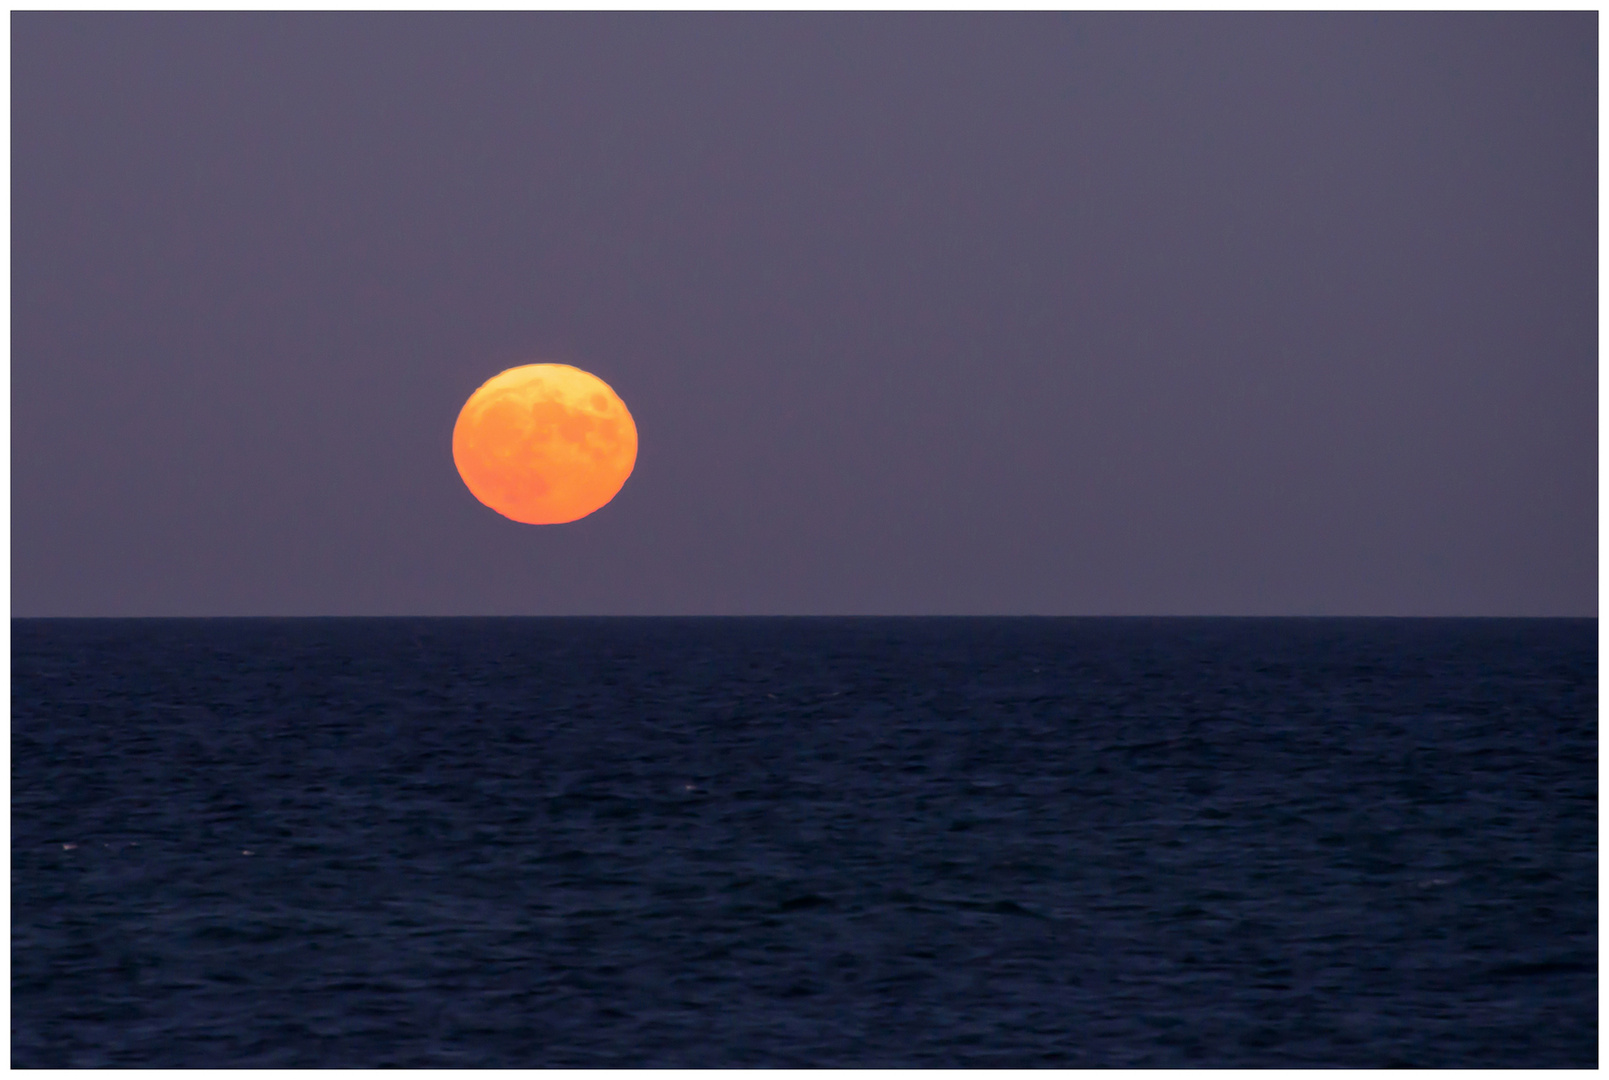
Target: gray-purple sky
<point>917,314</point>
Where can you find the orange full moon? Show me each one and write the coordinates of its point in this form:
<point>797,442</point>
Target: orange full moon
<point>544,443</point>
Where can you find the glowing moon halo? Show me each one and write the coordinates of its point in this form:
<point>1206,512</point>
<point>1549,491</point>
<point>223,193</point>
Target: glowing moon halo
<point>544,444</point>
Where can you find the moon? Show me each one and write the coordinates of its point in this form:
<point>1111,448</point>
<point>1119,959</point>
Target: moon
<point>544,444</point>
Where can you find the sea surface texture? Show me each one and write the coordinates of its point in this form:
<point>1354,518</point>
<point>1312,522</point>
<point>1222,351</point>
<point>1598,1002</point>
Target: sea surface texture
<point>804,842</point>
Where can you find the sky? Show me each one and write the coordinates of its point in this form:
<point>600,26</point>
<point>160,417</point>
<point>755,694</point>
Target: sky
<point>916,314</point>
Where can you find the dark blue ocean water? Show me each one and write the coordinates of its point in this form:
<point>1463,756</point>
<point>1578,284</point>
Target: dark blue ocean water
<point>804,842</point>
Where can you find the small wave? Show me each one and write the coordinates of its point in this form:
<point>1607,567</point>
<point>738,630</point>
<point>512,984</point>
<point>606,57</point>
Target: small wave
<point>1541,968</point>
<point>808,902</point>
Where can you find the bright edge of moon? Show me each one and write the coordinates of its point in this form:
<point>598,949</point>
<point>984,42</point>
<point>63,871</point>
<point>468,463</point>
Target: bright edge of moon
<point>544,444</point>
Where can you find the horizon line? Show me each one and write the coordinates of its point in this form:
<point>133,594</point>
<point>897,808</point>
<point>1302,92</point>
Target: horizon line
<point>1031,615</point>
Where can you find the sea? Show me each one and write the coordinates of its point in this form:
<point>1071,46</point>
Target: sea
<point>804,842</point>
